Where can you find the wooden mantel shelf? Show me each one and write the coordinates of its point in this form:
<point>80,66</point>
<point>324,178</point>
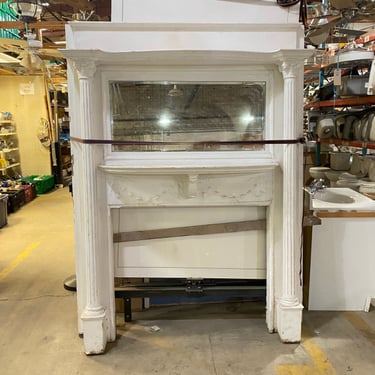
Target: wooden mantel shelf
<point>344,102</point>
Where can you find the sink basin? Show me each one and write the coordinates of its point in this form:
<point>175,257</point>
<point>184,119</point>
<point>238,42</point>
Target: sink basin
<point>332,197</point>
<point>341,199</point>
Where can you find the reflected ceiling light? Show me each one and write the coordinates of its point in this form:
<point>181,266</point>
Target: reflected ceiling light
<point>175,91</point>
<point>164,121</point>
<point>247,118</point>
<point>27,10</point>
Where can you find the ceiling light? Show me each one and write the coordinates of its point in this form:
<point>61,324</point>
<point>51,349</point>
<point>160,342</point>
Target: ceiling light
<point>27,10</point>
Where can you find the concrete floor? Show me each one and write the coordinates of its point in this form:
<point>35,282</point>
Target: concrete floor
<point>39,330</point>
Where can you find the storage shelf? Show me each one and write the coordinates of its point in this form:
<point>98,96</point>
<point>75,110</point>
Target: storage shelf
<point>10,166</point>
<point>8,131</point>
<point>5,150</point>
<point>345,102</point>
<point>344,142</point>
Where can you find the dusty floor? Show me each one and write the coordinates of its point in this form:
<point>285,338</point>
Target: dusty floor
<point>39,321</point>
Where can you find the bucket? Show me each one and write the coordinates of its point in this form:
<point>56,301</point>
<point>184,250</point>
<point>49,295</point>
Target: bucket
<point>340,161</point>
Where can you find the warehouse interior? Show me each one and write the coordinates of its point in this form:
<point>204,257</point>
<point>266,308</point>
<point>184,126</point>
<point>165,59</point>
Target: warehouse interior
<point>216,324</point>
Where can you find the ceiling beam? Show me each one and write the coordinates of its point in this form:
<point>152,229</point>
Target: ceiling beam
<point>54,25</point>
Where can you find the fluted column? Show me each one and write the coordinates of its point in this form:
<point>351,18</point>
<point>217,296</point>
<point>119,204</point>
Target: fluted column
<point>289,313</point>
<point>93,315</point>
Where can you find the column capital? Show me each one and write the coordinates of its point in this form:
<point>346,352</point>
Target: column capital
<point>289,68</point>
<point>86,69</point>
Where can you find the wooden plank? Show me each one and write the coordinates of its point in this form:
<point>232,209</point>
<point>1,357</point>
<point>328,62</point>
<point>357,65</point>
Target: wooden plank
<point>194,230</point>
<point>7,72</point>
<point>55,25</point>
<point>351,214</point>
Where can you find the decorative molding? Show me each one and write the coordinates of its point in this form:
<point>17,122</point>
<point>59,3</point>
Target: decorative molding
<point>85,68</point>
<point>188,58</point>
<point>250,168</point>
<point>289,69</point>
<point>194,188</point>
<point>188,185</point>
<point>289,304</point>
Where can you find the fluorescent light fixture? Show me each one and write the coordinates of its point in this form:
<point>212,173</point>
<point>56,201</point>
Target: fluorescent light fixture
<point>60,42</point>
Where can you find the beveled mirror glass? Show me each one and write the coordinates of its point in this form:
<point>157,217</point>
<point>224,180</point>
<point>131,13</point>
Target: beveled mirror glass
<point>158,116</point>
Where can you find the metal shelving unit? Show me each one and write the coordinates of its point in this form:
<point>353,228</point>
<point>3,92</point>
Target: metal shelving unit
<point>10,164</point>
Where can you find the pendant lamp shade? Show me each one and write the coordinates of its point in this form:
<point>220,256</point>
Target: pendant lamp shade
<point>27,10</point>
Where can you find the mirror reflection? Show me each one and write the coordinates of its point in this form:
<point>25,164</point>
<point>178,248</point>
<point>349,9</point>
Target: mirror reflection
<point>149,116</point>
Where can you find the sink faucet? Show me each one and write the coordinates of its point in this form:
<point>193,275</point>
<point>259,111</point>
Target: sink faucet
<point>316,185</point>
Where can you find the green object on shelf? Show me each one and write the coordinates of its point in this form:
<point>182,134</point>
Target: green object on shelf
<point>43,184</point>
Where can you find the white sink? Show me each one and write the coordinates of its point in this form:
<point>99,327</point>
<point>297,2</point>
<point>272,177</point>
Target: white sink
<point>330,196</point>
<point>343,199</point>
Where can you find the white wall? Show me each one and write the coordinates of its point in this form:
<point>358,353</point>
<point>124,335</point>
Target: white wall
<point>26,111</point>
<point>202,11</point>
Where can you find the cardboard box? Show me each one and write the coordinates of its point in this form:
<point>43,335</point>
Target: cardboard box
<point>137,303</point>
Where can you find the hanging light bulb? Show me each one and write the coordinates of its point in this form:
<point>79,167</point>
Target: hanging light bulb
<point>175,91</point>
<point>27,10</point>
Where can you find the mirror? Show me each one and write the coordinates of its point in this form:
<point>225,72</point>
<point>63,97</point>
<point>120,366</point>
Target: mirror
<point>158,116</point>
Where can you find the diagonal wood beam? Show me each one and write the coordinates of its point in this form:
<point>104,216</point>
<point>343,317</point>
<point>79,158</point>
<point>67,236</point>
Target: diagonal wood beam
<point>49,25</point>
<point>194,230</point>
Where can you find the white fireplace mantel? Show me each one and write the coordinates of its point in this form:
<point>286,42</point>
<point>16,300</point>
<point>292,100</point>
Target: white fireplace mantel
<point>106,182</point>
<point>173,187</point>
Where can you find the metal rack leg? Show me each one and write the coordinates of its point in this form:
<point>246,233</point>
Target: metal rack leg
<point>127,309</point>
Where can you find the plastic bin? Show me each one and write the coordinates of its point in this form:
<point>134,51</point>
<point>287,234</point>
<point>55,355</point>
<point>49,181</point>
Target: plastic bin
<point>16,199</point>
<point>3,210</point>
<point>30,191</point>
<point>43,184</point>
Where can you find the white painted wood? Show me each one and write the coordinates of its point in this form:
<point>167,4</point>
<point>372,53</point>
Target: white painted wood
<point>202,11</point>
<point>175,188</point>
<point>104,180</point>
<point>94,313</point>
<point>107,36</point>
<point>289,303</point>
<point>117,12</point>
<point>195,257</point>
<point>191,256</point>
<point>342,273</point>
